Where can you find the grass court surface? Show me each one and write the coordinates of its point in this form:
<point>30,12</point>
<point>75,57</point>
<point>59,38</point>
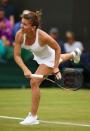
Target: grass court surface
<point>59,110</point>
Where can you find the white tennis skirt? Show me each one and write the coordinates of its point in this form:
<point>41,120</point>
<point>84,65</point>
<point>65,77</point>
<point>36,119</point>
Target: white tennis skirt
<point>49,61</point>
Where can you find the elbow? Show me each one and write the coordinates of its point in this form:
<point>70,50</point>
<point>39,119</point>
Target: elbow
<point>58,50</point>
<point>16,57</point>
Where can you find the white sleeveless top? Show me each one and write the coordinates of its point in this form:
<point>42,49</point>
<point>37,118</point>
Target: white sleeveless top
<point>43,55</point>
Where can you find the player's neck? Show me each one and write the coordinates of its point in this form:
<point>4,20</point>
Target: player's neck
<point>31,35</point>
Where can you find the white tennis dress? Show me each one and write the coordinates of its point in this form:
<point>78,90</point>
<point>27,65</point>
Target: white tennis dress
<point>43,55</point>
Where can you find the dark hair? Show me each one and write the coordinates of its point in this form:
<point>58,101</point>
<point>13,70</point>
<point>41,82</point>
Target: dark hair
<point>33,17</point>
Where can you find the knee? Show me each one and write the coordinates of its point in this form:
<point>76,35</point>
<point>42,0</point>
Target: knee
<point>34,83</point>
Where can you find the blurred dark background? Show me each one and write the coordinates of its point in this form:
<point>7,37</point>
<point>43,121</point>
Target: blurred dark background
<point>71,14</point>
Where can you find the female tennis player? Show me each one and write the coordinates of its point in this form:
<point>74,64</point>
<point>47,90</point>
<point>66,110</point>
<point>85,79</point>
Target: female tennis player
<point>46,52</point>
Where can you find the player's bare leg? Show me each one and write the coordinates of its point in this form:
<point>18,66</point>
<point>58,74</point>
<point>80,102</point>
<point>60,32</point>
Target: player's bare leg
<point>65,57</point>
<point>74,55</point>
<point>31,119</point>
<point>35,83</point>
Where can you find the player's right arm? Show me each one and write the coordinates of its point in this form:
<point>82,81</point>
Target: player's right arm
<point>17,54</point>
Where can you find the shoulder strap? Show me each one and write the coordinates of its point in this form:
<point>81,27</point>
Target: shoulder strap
<point>37,32</point>
<point>24,39</point>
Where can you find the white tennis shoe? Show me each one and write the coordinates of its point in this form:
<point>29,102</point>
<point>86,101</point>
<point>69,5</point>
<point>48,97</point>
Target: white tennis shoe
<point>76,55</point>
<point>30,120</point>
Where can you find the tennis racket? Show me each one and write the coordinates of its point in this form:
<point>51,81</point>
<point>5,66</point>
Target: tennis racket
<point>59,83</point>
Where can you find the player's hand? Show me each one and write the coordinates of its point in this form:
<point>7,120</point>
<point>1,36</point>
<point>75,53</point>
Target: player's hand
<point>57,73</point>
<point>27,73</point>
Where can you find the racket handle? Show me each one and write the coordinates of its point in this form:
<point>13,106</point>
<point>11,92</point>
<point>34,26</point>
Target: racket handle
<point>37,76</point>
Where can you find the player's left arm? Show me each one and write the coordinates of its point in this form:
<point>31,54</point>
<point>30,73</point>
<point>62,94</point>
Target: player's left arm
<point>46,39</point>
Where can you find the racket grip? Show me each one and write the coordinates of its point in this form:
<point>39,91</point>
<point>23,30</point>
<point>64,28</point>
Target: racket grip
<point>37,76</point>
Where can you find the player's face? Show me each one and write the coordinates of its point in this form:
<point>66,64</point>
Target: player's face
<point>26,26</point>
